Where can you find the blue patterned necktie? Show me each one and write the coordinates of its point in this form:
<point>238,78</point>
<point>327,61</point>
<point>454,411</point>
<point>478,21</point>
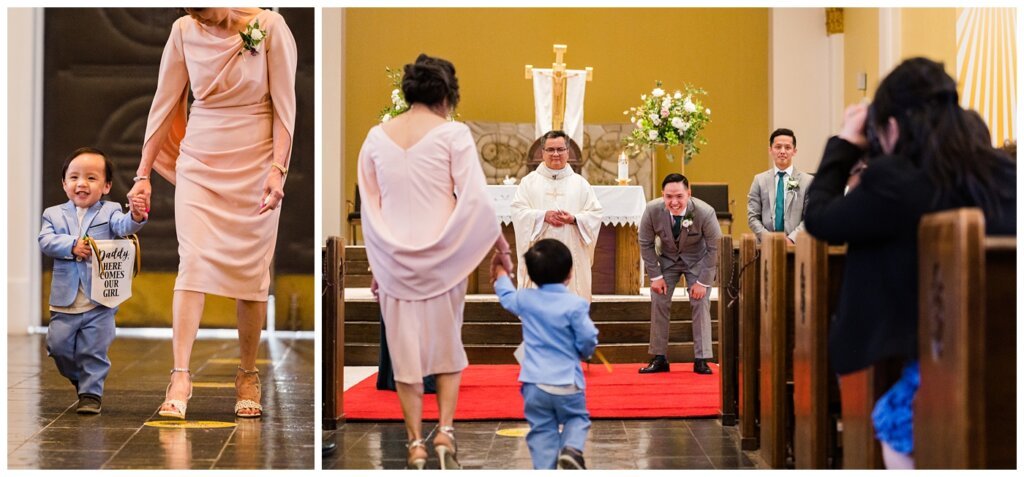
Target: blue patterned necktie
<point>677,221</point>
<point>780,203</point>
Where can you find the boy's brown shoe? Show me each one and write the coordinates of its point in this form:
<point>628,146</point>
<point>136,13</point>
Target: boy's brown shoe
<point>89,404</point>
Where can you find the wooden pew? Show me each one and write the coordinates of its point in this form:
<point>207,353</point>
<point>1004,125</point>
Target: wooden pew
<point>728,335</point>
<point>818,277</point>
<point>965,410</point>
<point>776,353</point>
<point>858,393</point>
<point>819,269</point>
<point>749,337</point>
<point>333,315</point>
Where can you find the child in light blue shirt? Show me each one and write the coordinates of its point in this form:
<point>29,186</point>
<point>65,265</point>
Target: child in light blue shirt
<point>81,330</point>
<point>557,334</point>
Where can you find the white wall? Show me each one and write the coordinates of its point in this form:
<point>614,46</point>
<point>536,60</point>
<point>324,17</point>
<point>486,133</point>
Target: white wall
<point>24,166</point>
<point>805,65</point>
<point>332,178</point>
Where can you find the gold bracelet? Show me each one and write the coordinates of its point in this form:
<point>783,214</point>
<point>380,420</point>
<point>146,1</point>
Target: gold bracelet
<point>284,170</point>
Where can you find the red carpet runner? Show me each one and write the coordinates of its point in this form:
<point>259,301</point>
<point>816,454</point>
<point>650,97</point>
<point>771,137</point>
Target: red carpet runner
<point>491,392</point>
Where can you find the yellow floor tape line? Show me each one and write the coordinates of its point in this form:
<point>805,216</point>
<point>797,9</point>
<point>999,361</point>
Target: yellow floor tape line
<point>514,432</point>
<point>190,424</point>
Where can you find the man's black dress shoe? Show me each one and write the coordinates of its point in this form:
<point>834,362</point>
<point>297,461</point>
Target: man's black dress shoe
<point>328,447</point>
<point>700,366</point>
<point>657,365</point>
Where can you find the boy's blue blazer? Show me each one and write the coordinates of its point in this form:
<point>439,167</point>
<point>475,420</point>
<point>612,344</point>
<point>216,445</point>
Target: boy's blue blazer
<point>103,221</point>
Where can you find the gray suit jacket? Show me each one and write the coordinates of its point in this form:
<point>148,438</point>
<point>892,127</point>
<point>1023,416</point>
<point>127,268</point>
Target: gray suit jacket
<point>696,248</point>
<point>60,232</point>
<point>761,203</point>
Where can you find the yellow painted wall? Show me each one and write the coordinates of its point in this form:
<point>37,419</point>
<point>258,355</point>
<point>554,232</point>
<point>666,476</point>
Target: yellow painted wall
<point>722,50</point>
<point>152,296</point>
<point>929,32</point>
<point>860,45</point>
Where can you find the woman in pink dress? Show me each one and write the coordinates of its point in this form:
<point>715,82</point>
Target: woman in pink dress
<point>228,158</point>
<point>428,222</point>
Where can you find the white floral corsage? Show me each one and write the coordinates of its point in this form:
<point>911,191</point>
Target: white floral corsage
<point>252,37</point>
<point>687,220</point>
<point>792,183</point>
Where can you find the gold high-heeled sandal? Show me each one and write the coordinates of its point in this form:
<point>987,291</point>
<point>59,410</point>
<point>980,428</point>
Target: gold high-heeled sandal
<point>444,445</point>
<point>242,404</point>
<point>177,406</point>
<point>417,454</point>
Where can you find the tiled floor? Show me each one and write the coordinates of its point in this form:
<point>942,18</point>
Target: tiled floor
<point>44,432</point>
<point>611,444</point>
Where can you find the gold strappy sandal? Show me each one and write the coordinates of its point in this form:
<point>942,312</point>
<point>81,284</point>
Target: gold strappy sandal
<point>444,445</point>
<point>244,404</point>
<point>177,406</point>
<point>417,454</point>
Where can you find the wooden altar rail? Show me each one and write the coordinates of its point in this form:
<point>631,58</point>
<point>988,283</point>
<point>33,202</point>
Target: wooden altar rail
<point>965,410</point>
<point>333,313</point>
<point>728,331</point>
<point>749,338</point>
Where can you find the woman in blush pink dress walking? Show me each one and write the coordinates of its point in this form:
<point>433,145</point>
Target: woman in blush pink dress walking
<point>428,222</point>
<point>228,158</point>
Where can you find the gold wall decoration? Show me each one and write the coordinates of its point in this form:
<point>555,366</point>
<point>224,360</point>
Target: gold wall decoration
<point>834,20</point>
<point>986,67</point>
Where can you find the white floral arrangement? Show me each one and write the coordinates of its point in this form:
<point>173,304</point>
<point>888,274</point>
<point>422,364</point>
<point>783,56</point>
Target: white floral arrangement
<point>398,104</point>
<point>669,119</point>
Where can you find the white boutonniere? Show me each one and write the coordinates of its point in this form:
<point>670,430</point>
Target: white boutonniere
<point>687,220</point>
<point>252,37</point>
<point>792,183</point>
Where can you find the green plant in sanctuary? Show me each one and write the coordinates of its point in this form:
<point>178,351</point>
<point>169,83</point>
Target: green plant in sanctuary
<point>669,119</point>
<point>398,104</point>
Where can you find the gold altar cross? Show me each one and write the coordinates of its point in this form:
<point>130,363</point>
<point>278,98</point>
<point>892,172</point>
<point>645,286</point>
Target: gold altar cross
<point>558,86</point>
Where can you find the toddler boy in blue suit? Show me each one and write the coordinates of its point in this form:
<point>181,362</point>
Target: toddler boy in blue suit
<point>557,334</point>
<point>81,330</point>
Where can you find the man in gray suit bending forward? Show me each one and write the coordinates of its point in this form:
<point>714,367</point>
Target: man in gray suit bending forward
<point>778,196</point>
<point>679,236</point>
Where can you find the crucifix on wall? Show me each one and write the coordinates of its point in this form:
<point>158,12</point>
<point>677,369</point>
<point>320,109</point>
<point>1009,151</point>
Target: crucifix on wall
<point>558,103</point>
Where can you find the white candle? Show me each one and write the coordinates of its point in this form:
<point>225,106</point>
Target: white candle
<point>623,167</point>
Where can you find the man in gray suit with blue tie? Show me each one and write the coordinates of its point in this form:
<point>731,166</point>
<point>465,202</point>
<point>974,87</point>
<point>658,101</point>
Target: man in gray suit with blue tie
<point>778,196</point>
<point>679,236</point>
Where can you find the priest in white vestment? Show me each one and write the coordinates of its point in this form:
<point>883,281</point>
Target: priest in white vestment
<point>556,202</point>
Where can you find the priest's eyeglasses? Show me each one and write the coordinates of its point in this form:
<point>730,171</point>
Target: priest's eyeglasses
<point>555,150</point>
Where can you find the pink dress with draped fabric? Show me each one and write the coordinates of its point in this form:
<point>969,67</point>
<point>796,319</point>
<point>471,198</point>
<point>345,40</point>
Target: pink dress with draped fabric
<point>428,222</point>
<point>218,154</point>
